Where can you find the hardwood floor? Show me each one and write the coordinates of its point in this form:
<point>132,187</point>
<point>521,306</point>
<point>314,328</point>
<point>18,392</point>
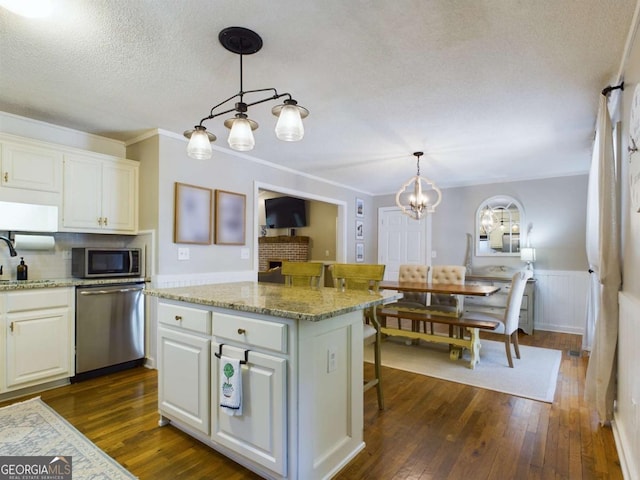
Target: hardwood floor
<point>431,429</point>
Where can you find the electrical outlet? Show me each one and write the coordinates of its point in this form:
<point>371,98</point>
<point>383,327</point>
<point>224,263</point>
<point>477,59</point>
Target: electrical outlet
<point>332,359</point>
<point>434,254</point>
<point>244,254</point>
<point>183,253</point>
<point>66,254</point>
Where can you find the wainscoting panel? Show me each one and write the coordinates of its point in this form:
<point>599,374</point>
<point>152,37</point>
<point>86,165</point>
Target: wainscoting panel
<point>561,300</point>
<point>626,426</point>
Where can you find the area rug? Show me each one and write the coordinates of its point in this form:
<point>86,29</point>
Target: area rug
<point>534,376</point>
<point>32,428</point>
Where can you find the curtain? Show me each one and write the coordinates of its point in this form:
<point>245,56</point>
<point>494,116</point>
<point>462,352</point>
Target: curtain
<point>601,371</point>
<point>593,245</point>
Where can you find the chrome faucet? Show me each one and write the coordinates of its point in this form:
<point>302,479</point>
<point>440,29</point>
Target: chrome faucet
<point>12,251</point>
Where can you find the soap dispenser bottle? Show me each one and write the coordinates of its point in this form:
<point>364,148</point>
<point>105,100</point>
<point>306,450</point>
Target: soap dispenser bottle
<point>22,270</point>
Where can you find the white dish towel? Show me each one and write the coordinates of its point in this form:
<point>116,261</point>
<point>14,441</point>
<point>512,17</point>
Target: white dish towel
<point>230,386</point>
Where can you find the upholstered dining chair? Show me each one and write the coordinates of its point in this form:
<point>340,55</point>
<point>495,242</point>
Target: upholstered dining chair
<point>302,274</point>
<point>350,276</point>
<point>412,273</point>
<point>511,317</point>
<point>444,304</point>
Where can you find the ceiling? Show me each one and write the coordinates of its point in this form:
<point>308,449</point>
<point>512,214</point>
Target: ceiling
<point>490,90</point>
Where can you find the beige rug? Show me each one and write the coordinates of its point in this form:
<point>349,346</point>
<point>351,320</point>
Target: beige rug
<point>32,428</point>
<point>534,376</point>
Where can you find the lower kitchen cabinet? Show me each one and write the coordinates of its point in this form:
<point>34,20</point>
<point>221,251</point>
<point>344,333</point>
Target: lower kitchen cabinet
<point>39,329</point>
<point>260,433</point>
<point>183,379</point>
<point>183,364</point>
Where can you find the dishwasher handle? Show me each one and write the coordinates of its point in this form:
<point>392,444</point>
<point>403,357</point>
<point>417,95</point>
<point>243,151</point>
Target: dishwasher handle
<point>115,290</point>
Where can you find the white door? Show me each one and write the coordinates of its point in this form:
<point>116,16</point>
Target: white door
<point>260,433</point>
<point>402,239</point>
<point>38,347</point>
<point>183,377</point>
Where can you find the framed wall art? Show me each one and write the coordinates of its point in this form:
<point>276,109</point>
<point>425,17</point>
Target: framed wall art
<point>359,252</point>
<point>230,218</point>
<point>359,230</point>
<point>359,207</point>
<point>192,217</point>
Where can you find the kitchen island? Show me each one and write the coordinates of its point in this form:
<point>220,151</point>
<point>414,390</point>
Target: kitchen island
<point>302,393</point>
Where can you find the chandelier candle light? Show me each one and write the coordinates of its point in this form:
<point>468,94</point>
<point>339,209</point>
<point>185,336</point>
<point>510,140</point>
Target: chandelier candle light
<point>289,128</point>
<point>423,197</point>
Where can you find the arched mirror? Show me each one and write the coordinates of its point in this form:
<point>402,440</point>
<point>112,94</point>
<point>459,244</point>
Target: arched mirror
<point>499,227</point>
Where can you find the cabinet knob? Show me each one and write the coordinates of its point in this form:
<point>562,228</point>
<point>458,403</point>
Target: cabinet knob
<point>241,331</point>
<point>99,220</point>
<point>6,176</point>
<point>105,221</point>
<point>178,318</point>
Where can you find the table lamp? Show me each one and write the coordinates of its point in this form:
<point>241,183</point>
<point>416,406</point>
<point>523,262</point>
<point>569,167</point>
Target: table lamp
<point>528,254</point>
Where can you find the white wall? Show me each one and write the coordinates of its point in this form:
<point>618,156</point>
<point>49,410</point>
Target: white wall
<point>164,161</point>
<point>555,206</point>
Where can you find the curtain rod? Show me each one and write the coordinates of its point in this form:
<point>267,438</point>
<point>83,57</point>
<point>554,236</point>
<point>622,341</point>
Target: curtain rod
<point>607,90</point>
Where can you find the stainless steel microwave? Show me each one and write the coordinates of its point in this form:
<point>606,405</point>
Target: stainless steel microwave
<point>94,262</point>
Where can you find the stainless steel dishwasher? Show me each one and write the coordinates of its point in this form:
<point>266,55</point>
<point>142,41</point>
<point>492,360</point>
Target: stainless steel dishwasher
<point>109,328</point>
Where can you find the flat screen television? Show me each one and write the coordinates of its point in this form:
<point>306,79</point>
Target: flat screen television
<point>285,212</point>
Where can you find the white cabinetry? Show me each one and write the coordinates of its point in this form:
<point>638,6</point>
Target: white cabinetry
<point>301,417</point>
<point>497,302</point>
<point>100,195</point>
<point>183,364</point>
<point>260,433</point>
<point>31,172</point>
<point>39,330</point>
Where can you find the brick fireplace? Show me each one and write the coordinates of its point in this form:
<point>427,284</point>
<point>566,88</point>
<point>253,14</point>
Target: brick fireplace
<point>275,249</point>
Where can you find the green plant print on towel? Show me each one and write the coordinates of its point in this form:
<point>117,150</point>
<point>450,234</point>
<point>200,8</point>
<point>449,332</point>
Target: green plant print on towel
<point>227,388</point>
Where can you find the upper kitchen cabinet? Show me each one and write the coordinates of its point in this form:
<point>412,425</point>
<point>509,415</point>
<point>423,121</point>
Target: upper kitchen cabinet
<point>31,172</point>
<point>100,195</point>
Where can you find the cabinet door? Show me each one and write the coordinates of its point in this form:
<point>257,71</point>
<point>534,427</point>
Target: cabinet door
<point>82,195</point>
<point>38,347</point>
<point>183,377</point>
<point>120,197</point>
<point>260,433</point>
<point>30,167</point>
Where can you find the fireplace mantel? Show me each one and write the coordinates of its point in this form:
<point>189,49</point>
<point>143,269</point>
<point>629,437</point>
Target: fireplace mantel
<point>282,247</point>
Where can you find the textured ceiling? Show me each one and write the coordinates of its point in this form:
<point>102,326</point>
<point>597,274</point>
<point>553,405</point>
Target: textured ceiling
<point>490,90</point>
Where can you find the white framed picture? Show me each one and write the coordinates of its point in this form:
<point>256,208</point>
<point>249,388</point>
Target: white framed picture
<point>359,207</point>
<point>359,230</point>
<point>359,252</point>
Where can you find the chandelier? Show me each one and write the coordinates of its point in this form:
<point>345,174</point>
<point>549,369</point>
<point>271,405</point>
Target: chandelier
<point>289,128</point>
<point>418,195</point>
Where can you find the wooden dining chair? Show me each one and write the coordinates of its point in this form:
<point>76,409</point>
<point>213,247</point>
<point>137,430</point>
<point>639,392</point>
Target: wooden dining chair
<point>357,276</point>
<point>302,274</point>
<point>511,317</point>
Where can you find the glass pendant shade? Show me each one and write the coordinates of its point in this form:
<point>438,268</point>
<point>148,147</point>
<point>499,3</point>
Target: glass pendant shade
<point>289,127</point>
<point>199,146</point>
<point>241,135</point>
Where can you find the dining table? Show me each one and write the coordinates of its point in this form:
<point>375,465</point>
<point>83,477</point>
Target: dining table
<point>455,320</point>
<point>443,288</point>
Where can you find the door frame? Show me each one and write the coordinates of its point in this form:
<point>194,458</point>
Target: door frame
<point>341,221</point>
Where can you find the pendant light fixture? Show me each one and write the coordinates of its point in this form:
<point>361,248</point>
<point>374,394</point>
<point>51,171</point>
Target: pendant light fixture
<point>289,127</point>
<point>418,195</point>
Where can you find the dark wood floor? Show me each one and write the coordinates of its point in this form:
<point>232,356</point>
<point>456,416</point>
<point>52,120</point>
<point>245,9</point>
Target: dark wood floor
<point>431,429</point>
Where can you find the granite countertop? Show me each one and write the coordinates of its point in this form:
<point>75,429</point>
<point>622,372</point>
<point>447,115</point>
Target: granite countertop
<point>297,303</point>
<point>9,285</point>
